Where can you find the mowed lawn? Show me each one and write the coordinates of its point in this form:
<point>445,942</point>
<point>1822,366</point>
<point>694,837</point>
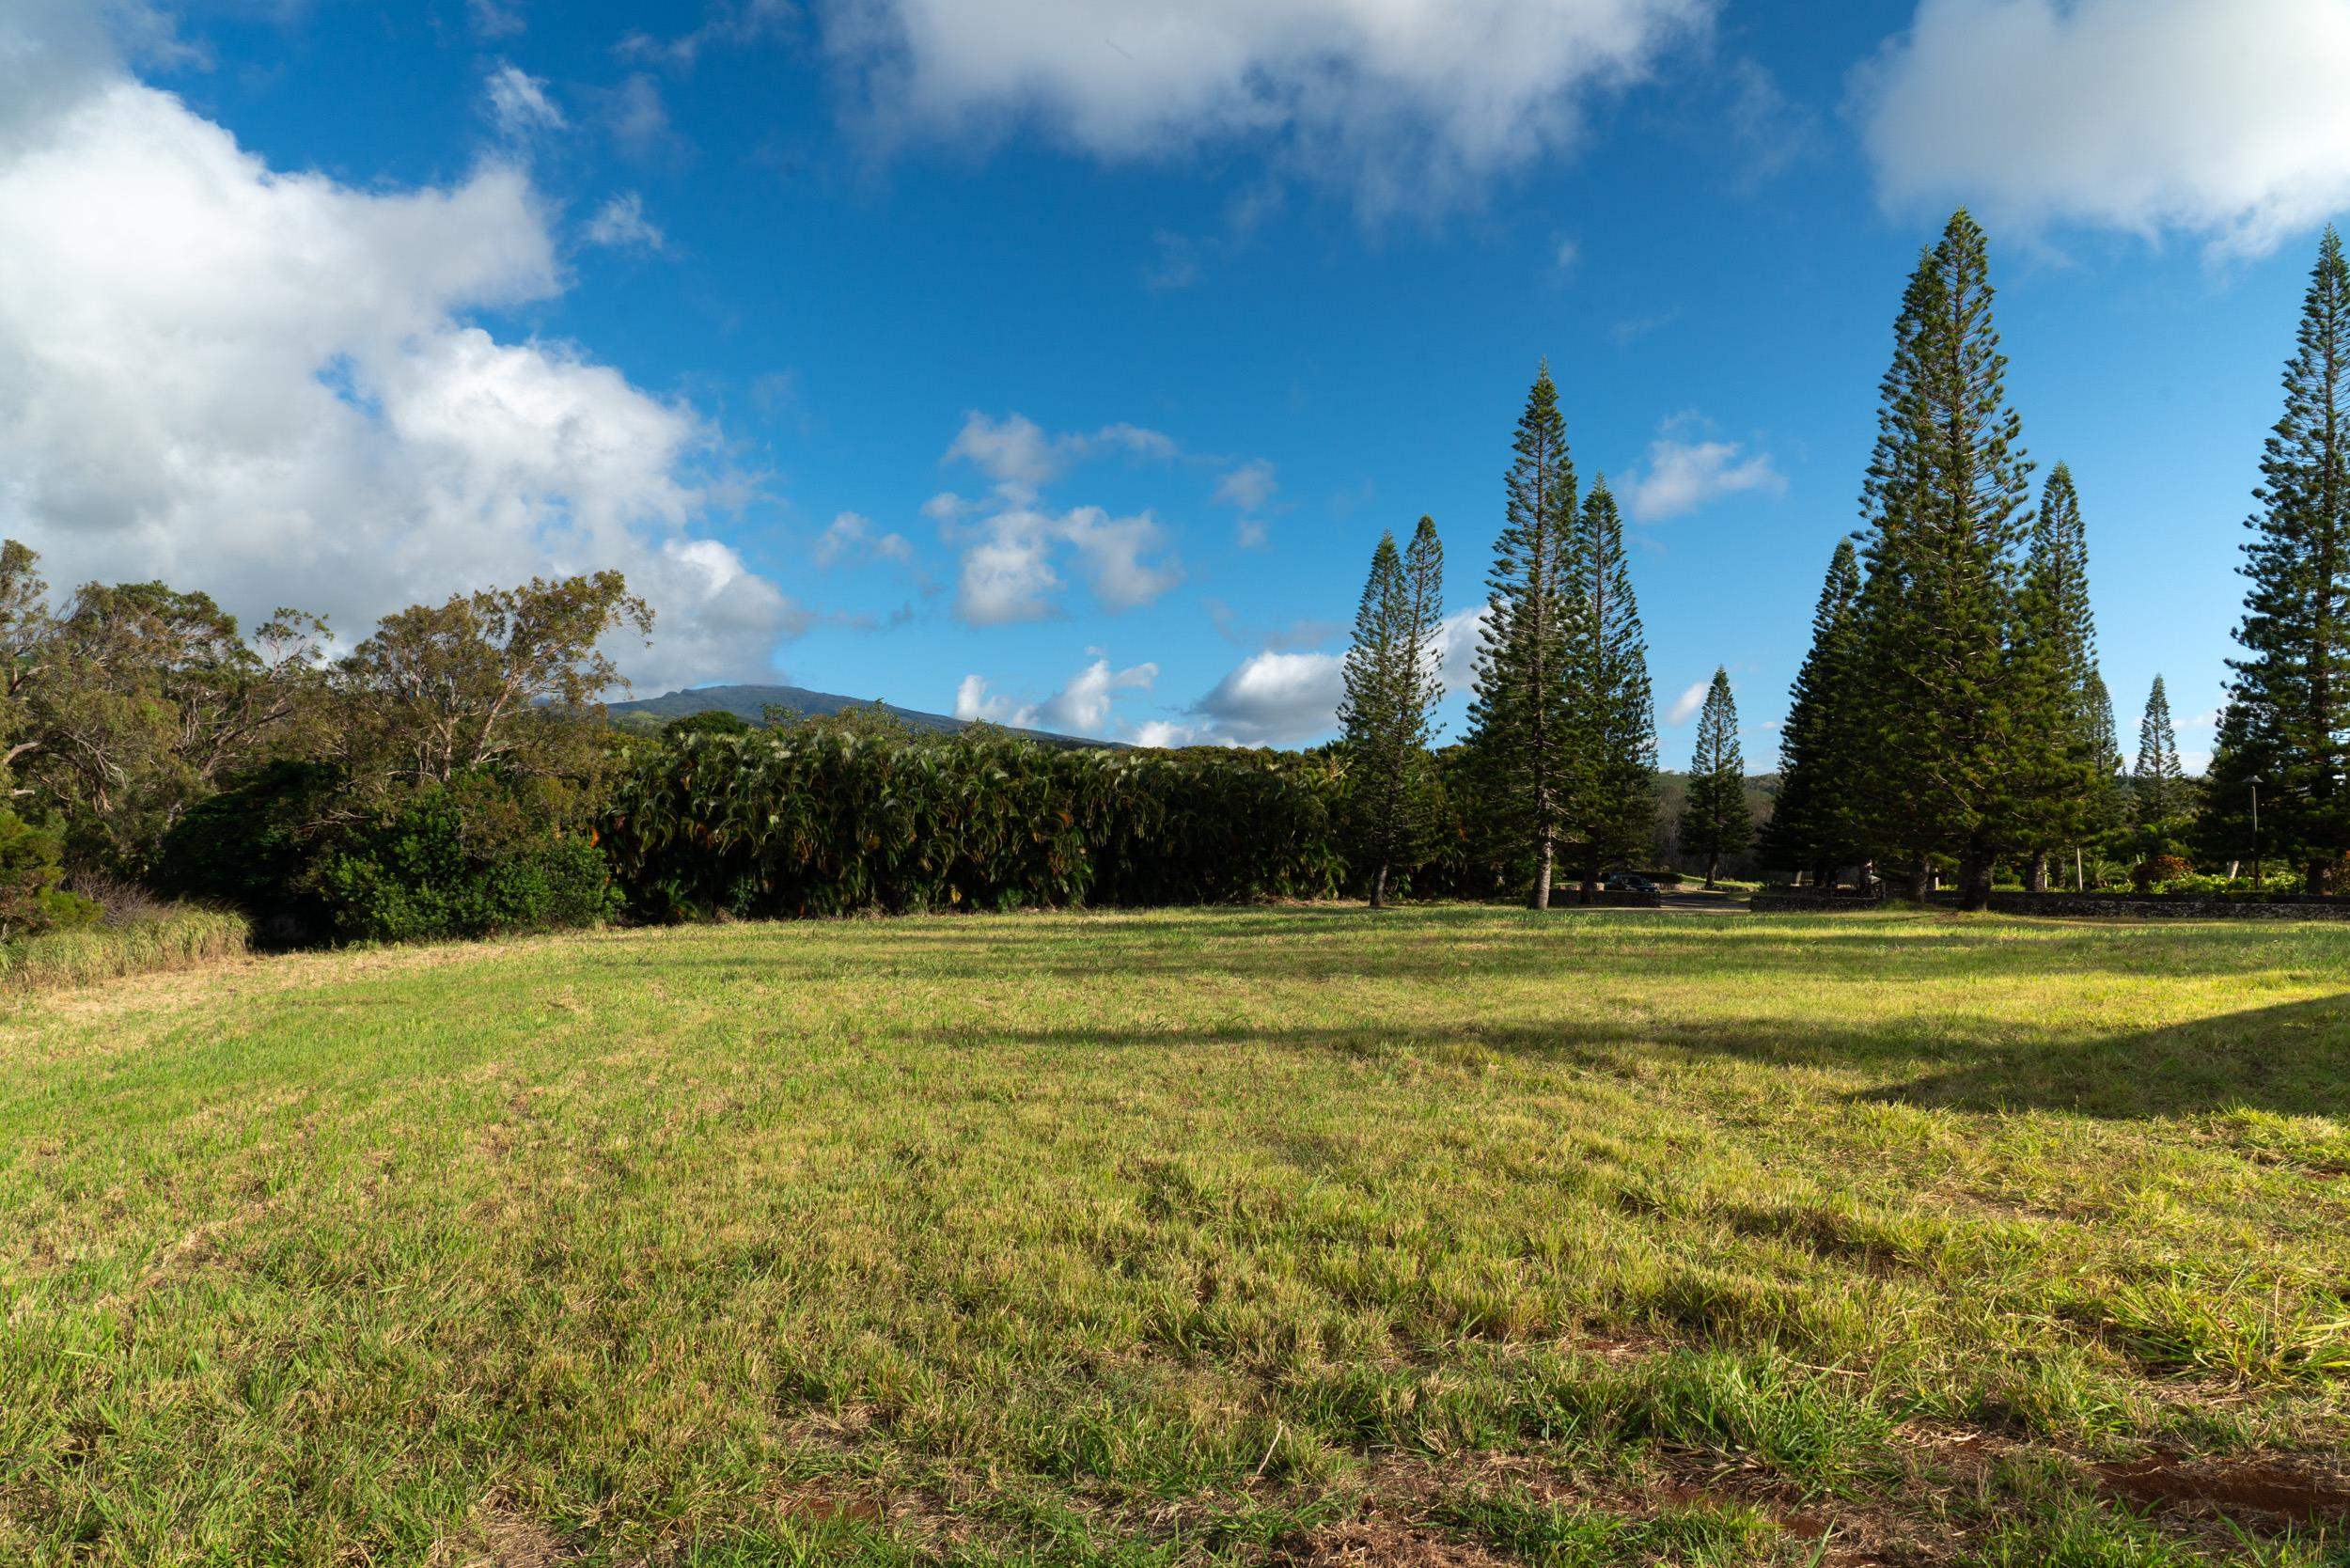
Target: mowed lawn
<point>1450,1236</point>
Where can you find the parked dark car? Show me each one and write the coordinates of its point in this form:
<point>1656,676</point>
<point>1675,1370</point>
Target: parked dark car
<point>1628,881</point>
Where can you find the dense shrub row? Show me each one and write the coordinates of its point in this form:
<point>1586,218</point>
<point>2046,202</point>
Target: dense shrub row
<point>819,820</point>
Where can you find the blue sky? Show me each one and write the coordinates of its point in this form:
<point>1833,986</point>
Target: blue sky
<point>1061,360</point>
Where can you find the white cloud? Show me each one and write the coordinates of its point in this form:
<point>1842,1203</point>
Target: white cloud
<point>850,536</point>
<point>1407,103</point>
<point>1685,706</point>
<point>262,384</point>
<point>1250,533</point>
<point>1008,571</point>
<point>621,224</point>
<point>728,24</point>
<point>1565,254</point>
<point>1249,486</point>
<point>2226,117</point>
<point>1458,639</point>
<point>1682,476</point>
<point>519,103</point>
<point>1276,699</point>
<point>1080,708</point>
<point>495,19</point>
<point>640,121</point>
<point>1162,734</point>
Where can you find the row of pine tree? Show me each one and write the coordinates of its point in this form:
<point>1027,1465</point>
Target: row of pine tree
<point>1950,711</point>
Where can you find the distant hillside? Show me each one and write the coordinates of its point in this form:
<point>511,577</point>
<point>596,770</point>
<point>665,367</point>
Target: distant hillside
<point>751,702</point>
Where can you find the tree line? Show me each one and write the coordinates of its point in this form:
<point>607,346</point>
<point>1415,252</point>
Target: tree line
<point>1950,717</point>
<point>451,774</point>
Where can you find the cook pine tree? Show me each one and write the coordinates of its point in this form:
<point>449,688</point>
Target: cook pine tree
<point>2061,720</point>
<point>1946,508</point>
<point>2160,791</point>
<point>1392,681</point>
<point>1611,713</point>
<point>1810,830</point>
<point>1519,729</point>
<point>2286,725</point>
<point>1714,823</point>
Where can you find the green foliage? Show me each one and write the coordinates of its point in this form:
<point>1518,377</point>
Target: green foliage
<point>1945,502</point>
<point>1714,823</point>
<point>2061,718</point>
<point>252,847</point>
<point>1393,682</point>
<point>1814,826</point>
<point>1520,725</point>
<point>2287,721</point>
<point>1611,714</point>
<point>709,721</point>
<point>473,857</point>
<point>31,902</point>
<point>823,819</point>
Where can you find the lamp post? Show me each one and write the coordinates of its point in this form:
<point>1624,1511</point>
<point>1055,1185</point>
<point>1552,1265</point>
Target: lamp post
<point>2256,833</point>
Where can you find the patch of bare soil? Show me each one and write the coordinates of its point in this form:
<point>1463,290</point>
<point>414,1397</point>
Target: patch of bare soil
<point>497,1534</point>
<point>1379,1544</point>
<point>2305,1490</point>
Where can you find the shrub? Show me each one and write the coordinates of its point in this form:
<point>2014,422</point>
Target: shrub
<point>253,847</point>
<point>471,858</point>
<point>825,819</point>
<point>31,902</point>
<point>2159,871</point>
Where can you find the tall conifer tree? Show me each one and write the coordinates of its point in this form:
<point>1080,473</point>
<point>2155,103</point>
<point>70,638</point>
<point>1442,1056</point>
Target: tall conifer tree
<point>1946,504</point>
<point>2063,751</point>
<point>1716,821</point>
<point>2288,715</point>
<point>1611,810</point>
<point>1812,825</point>
<point>1391,690</point>
<point>2158,788</point>
<point>1518,717</point>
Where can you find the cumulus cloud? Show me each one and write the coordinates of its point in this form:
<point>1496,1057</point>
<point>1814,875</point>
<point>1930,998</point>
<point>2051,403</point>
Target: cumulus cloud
<point>620,223</point>
<point>1408,103</point>
<point>851,537</point>
<point>1685,706</point>
<point>2225,117</point>
<point>263,385</point>
<point>520,103</point>
<point>1680,476</point>
<point>1080,708</point>
<point>1011,544</point>
<point>1248,487</point>
<point>1276,699</point>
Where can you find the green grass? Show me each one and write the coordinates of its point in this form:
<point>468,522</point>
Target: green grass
<point>1285,1236</point>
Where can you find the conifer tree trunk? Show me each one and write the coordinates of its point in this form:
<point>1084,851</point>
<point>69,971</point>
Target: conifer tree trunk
<point>2039,872</point>
<point>1379,887</point>
<point>1921,877</point>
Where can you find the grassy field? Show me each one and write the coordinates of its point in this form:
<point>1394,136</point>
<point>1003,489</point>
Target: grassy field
<point>1305,1237</point>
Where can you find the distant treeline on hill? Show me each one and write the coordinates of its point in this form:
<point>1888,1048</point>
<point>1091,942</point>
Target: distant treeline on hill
<point>452,774</point>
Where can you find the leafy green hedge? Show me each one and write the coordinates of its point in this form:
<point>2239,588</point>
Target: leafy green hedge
<point>178,940</point>
<point>818,821</point>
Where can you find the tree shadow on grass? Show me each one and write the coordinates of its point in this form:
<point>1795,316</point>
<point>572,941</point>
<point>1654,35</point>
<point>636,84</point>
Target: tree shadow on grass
<point>2291,1059</point>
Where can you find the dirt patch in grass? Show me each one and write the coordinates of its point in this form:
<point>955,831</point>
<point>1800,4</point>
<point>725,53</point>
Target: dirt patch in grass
<point>499,1535</point>
<point>2309,1491</point>
<point>1379,1544</point>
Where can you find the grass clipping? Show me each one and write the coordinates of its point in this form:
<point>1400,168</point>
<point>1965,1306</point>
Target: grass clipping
<point>178,939</point>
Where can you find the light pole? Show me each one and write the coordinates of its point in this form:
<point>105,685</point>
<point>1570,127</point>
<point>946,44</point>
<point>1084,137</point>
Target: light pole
<point>2256,833</point>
